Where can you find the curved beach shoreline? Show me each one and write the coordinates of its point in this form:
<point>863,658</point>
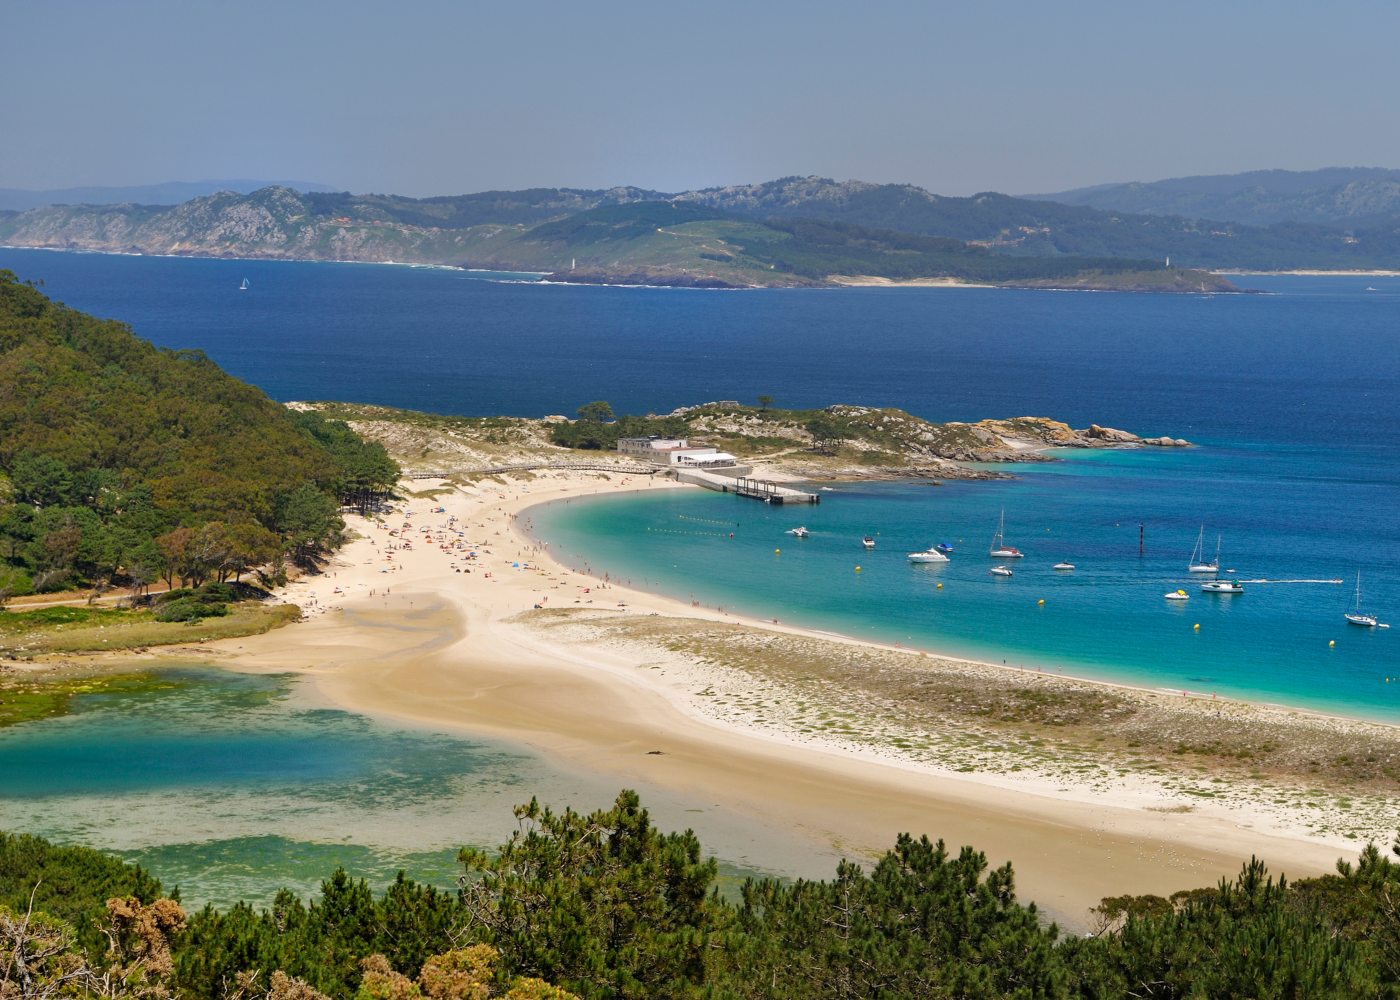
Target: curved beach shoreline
<point>599,678</point>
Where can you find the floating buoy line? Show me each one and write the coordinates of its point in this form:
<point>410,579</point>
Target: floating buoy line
<point>678,531</point>
<point>707,520</point>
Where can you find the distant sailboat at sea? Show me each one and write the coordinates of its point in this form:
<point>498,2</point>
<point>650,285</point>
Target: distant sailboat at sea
<point>1197,563</point>
<point>1357,616</point>
<point>243,287</point>
<point>999,549</point>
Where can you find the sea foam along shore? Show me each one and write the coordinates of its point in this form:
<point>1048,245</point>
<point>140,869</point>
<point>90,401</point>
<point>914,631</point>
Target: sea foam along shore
<point>485,656</point>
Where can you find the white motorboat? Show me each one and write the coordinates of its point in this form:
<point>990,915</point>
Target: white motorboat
<point>1177,595</point>
<point>799,532</point>
<point>1197,563</point>
<point>868,542</point>
<point>1223,587</point>
<point>999,571</point>
<point>999,549</point>
<point>1063,566</point>
<point>928,556</point>
<point>1356,616</point>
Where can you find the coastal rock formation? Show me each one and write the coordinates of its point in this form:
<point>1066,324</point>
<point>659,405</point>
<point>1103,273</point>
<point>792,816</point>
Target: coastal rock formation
<point>1110,434</point>
<point>867,442</point>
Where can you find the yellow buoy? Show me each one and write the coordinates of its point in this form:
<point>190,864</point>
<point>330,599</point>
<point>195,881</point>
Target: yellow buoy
<point>1041,601</point>
<point>857,569</point>
<point>1197,626</point>
<point>940,586</point>
<point>777,552</point>
<point>1331,643</point>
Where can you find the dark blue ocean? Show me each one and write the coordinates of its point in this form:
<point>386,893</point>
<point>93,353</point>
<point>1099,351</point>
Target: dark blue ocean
<point>1292,395</point>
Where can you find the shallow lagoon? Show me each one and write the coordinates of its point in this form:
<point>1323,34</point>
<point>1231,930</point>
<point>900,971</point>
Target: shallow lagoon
<point>232,785</point>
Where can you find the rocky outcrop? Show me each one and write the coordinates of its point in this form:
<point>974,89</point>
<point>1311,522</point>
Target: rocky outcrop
<point>885,440</point>
<point>876,443</point>
<point>1111,435</point>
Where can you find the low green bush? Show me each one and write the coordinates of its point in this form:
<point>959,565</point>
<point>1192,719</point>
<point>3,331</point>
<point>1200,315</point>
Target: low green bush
<point>189,609</point>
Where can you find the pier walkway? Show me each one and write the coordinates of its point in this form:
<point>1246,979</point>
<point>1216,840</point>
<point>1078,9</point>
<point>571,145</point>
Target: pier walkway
<point>745,486</point>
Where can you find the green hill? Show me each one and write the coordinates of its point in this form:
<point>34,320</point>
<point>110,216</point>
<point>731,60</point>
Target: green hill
<point>1333,196</point>
<point>681,242</point>
<point>793,230</point>
<point>1031,228</point>
<point>115,455</point>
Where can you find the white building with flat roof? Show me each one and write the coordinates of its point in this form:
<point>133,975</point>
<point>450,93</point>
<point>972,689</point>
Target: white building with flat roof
<point>675,452</point>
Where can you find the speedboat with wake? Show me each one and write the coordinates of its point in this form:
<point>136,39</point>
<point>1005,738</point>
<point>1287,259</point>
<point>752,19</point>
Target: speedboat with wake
<point>928,556</point>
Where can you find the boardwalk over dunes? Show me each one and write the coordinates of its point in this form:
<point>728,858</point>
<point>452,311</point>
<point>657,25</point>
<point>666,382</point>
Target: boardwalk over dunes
<point>624,468</point>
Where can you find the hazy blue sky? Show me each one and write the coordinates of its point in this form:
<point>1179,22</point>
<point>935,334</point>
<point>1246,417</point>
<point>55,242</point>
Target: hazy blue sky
<point>438,97</point>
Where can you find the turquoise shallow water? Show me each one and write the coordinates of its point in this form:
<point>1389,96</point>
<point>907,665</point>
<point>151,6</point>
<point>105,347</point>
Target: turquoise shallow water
<point>232,786</point>
<point>1108,619</point>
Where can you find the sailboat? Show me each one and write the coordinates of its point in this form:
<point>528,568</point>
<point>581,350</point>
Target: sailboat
<point>999,549</point>
<point>243,287</point>
<point>1197,563</point>
<point>1356,616</point>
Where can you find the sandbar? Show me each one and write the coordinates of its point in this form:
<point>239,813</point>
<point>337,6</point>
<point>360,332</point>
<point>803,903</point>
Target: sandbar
<point>480,659</point>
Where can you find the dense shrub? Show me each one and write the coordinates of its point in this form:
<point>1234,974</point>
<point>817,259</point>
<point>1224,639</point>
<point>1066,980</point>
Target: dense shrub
<point>188,609</point>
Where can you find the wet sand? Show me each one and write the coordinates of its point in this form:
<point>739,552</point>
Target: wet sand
<point>412,635</point>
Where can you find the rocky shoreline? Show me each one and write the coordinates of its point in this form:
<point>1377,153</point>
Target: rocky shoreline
<point>877,443</point>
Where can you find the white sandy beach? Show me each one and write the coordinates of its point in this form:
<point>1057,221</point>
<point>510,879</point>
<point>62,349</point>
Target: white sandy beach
<point>467,664</point>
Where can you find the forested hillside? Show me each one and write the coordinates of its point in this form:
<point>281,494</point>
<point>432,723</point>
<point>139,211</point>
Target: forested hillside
<point>604,905</point>
<point>122,462</point>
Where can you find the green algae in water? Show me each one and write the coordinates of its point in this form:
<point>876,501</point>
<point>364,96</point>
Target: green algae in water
<point>233,786</point>
<point>25,699</point>
<point>225,872</point>
<point>243,785</point>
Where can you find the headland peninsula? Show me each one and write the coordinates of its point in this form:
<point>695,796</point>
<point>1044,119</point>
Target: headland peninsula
<point>429,598</point>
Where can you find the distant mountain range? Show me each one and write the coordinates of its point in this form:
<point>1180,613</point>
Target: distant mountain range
<point>1337,196</point>
<point>795,230</point>
<point>168,193</point>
